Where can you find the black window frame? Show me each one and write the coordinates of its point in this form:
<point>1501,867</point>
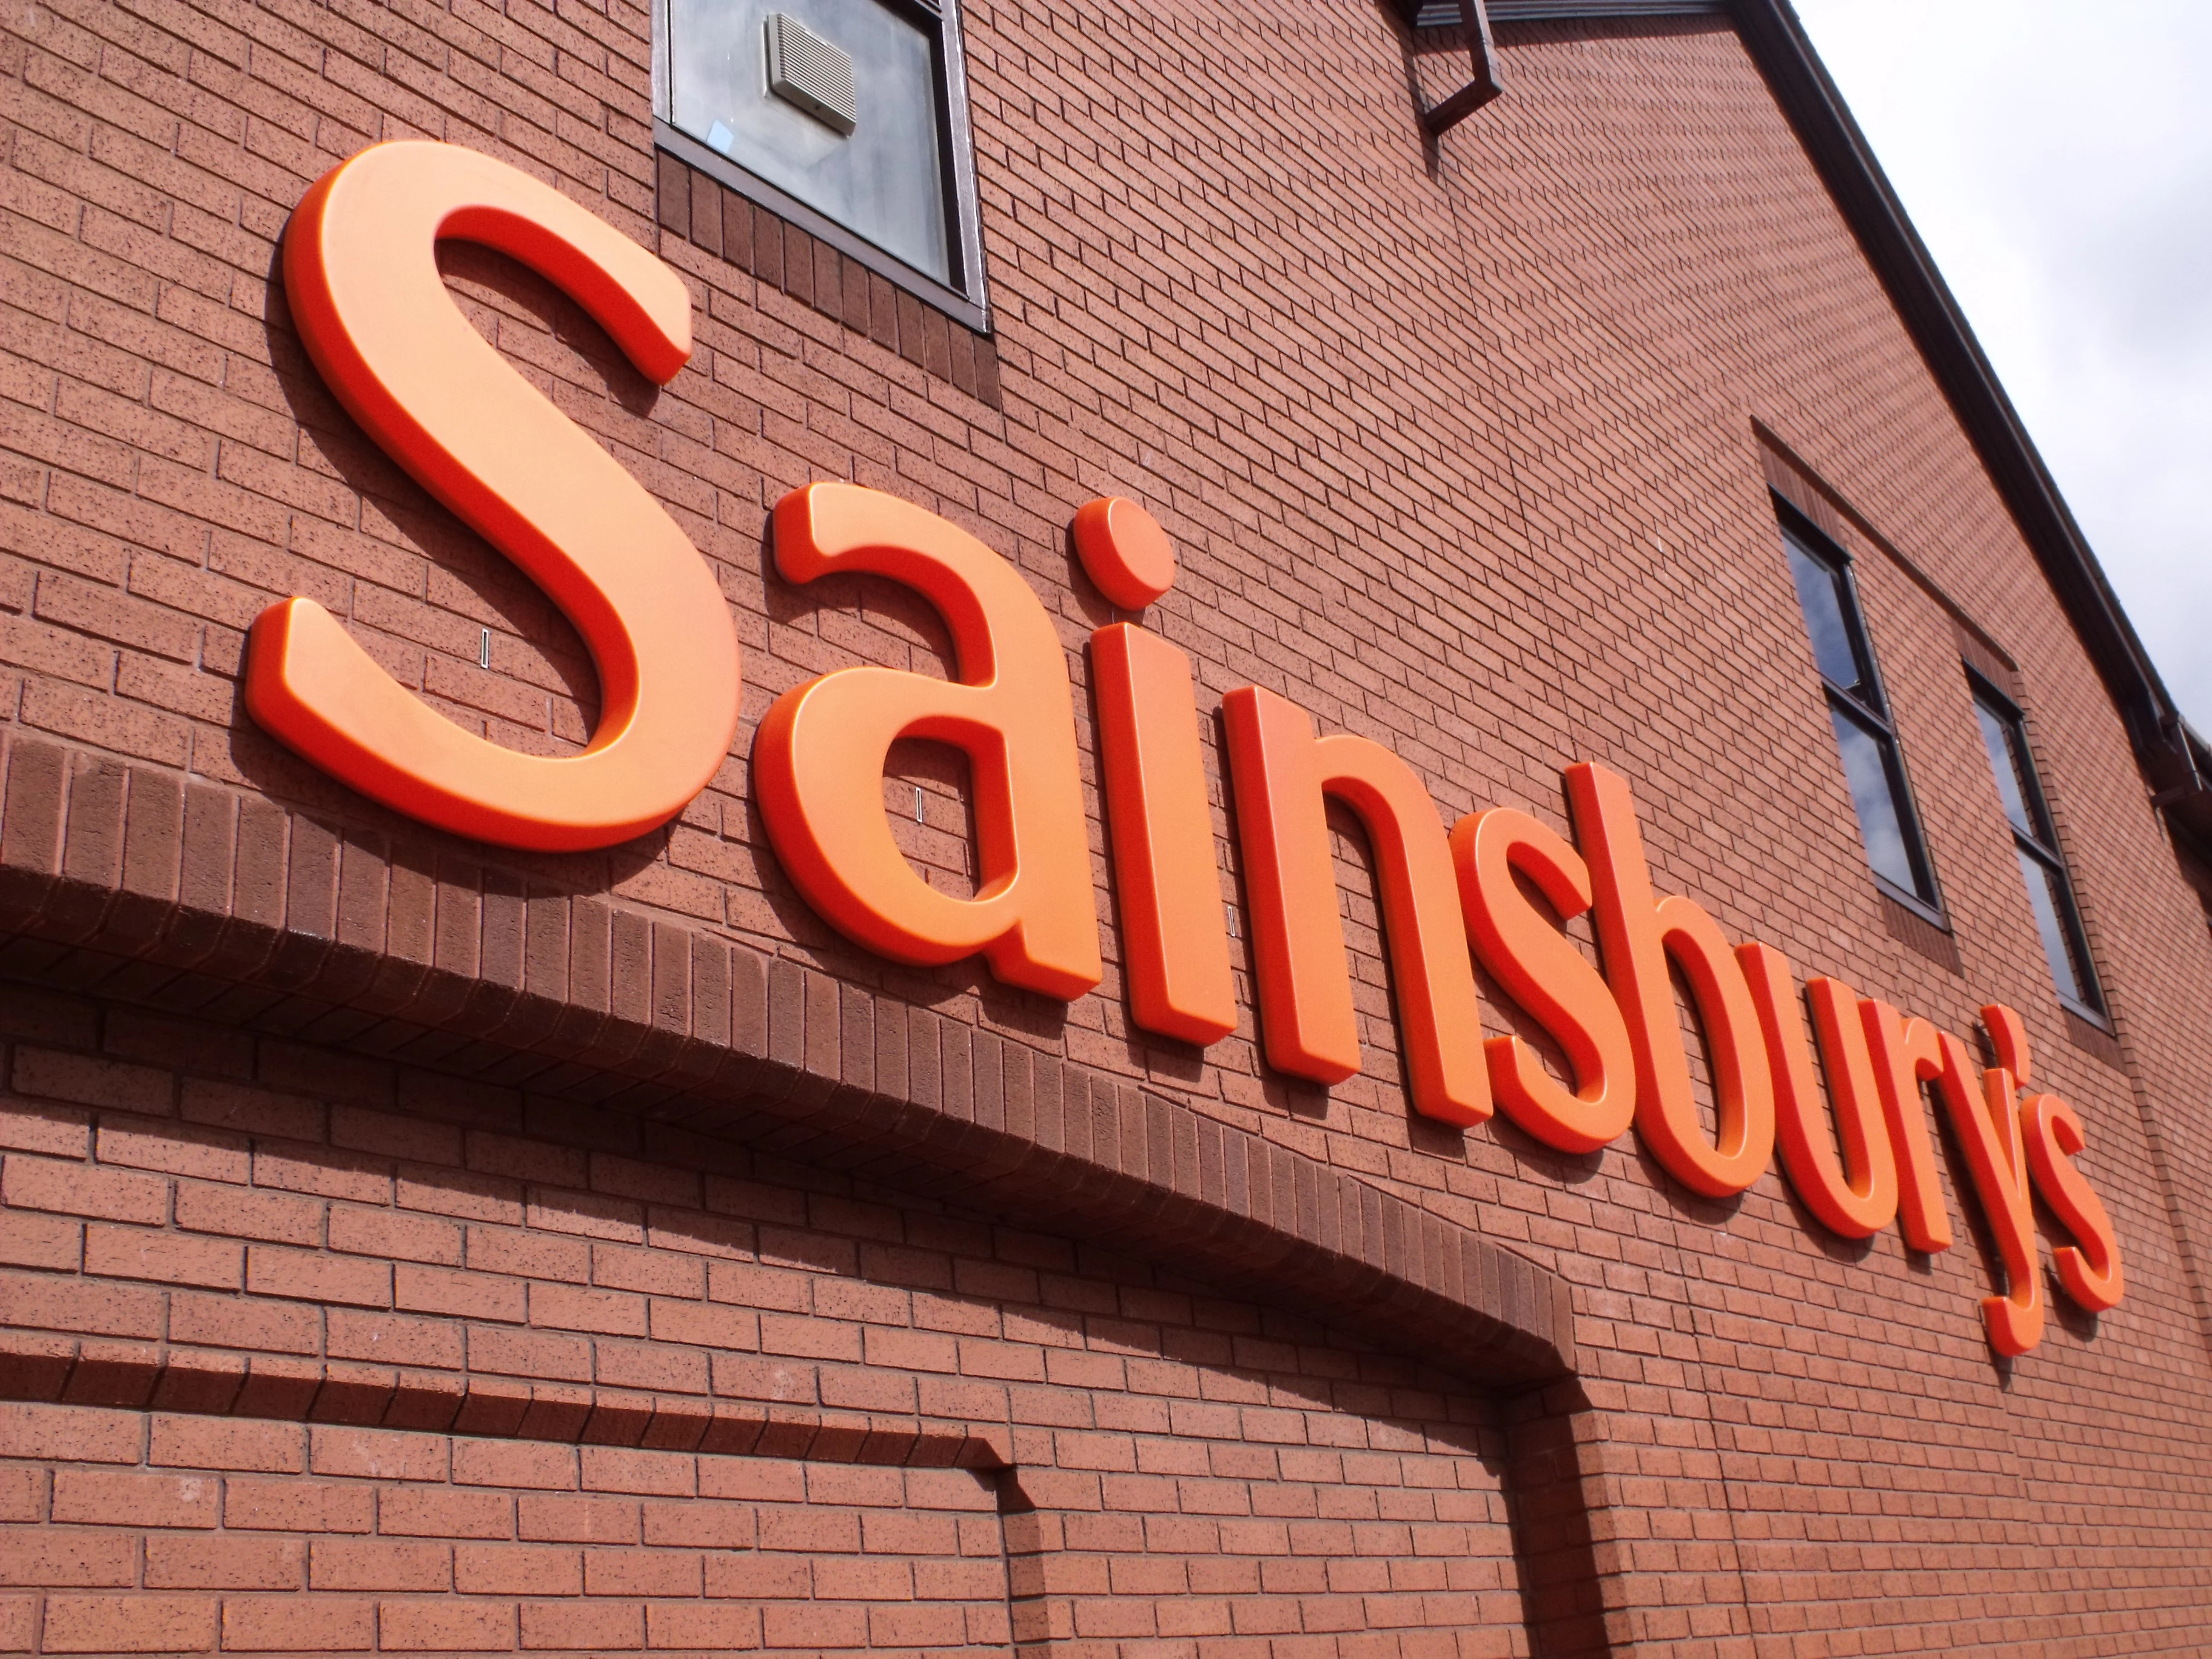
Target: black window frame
<point>2039,842</point>
<point>966,297</point>
<point>1867,706</point>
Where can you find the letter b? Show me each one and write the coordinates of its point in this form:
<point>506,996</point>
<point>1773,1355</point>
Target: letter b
<point>1637,932</point>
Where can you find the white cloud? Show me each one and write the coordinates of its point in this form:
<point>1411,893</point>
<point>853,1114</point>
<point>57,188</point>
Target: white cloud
<point>2057,158</point>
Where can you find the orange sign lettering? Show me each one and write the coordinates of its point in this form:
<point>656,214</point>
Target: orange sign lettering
<point>1987,1123</point>
<point>1174,941</point>
<point>361,276</point>
<point>363,283</point>
<point>1639,934</point>
<point>1539,968</point>
<point>1907,1054</point>
<point>2090,1268</point>
<point>1283,772</point>
<point>1857,1196</point>
<point>818,757</point>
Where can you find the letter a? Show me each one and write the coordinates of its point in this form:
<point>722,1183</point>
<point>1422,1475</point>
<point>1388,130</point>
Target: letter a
<point>818,757</point>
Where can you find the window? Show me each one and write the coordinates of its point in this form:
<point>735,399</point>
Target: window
<point>1873,767</point>
<point>2050,894</point>
<point>847,117</point>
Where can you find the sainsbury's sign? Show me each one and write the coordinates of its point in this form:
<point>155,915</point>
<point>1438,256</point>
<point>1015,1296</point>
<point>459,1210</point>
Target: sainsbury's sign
<point>367,295</point>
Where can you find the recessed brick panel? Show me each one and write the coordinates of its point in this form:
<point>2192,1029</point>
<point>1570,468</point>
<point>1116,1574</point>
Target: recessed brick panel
<point>380,1548</point>
<point>797,1423</point>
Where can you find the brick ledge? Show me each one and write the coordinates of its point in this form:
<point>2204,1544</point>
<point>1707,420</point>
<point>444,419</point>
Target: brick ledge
<point>131,882</point>
<point>216,1383</point>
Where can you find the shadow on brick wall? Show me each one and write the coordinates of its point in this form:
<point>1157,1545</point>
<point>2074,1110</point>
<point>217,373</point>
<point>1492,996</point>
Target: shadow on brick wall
<point>1551,1475</point>
<point>424,594</point>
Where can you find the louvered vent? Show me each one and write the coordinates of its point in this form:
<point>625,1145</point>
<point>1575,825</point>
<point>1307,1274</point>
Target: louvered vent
<point>805,69</point>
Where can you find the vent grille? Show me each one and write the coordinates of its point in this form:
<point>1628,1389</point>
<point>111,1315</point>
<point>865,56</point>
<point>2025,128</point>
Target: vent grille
<point>805,69</point>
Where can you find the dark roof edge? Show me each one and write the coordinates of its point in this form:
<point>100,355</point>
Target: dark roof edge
<point>1539,11</point>
<point>2174,758</point>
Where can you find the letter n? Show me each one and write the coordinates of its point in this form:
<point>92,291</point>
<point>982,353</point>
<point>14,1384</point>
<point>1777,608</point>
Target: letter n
<point>1282,774</point>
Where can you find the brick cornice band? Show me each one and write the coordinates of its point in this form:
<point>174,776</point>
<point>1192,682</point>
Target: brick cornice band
<point>213,1382</point>
<point>131,882</point>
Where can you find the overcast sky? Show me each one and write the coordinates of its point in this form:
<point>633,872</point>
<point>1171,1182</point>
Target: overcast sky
<point>2057,158</point>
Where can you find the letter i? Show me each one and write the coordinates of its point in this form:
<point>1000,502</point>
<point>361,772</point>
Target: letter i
<point>1175,943</point>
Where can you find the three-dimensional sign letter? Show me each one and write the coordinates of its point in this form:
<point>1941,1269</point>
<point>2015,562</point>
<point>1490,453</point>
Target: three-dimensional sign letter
<point>361,276</point>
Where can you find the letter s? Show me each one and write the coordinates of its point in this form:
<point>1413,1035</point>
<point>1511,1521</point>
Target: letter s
<point>1541,969</point>
<point>362,276</point>
<point>2092,1274</point>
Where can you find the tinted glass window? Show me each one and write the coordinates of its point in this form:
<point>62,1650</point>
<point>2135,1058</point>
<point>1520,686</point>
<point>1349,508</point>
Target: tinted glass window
<point>2049,895</point>
<point>1820,591</point>
<point>1873,770</point>
<point>1998,737</point>
<point>2047,898</point>
<point>885,178</point>
<point>1874,792</point>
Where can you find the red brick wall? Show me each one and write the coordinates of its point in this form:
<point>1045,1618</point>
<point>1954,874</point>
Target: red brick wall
<point>631,1389</point>
<point>187,1534</point>
<point>1459,451</point>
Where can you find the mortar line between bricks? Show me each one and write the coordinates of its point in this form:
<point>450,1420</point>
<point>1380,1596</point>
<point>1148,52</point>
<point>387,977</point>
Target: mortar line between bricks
<point>1699,1315</point>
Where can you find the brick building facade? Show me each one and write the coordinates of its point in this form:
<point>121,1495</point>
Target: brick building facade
<point>414,1245</point>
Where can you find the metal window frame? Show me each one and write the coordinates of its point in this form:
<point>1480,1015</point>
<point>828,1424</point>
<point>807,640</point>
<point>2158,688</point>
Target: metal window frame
<point>2045,849</point>
<point>967,297</point>
<point>1870,710</point>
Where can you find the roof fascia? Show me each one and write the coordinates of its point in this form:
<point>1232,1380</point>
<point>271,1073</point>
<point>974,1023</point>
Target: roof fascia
<point>2175,760</point>
<point>2166,748</point>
